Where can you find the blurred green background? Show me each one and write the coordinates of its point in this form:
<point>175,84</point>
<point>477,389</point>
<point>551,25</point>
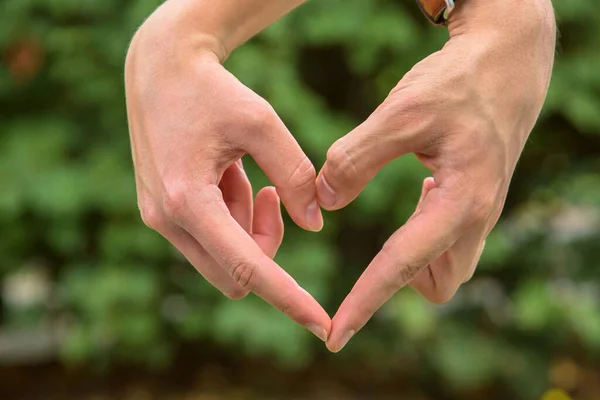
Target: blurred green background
<point>94,305</point>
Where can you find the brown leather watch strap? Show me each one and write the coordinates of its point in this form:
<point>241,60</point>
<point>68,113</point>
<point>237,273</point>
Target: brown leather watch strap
<point>434,10</point>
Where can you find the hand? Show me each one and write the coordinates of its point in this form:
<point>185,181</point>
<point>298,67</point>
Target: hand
<point>190,123</point>
<point>466,112</point>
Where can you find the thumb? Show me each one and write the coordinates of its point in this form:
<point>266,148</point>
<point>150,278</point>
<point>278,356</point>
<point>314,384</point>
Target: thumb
<point>355,159</point>
<point>292,173</point>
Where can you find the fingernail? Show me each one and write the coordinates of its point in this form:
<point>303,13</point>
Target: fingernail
<point>345,339</point>
<point>327,197</point>
<point>319,331</point>
<point>314,218</point>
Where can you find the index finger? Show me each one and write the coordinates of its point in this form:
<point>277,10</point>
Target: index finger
<point>207,218</point>
<point>425,236</point>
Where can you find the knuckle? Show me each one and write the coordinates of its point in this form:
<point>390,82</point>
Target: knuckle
<point>407,273</point>
<point>174,199</point>
<point>243,273</point>
<point>151,216</point>
<point>303,175</point>
<point>259,116</point>
<point>341,167</point>
<point>403,272</point>
<point>285,307</point>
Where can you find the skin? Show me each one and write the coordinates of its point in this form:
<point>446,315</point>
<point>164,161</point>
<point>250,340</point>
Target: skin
<point>466,111</point>
<point>190,123</point>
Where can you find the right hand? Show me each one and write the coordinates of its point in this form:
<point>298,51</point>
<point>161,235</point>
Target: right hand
<point>190,123</point>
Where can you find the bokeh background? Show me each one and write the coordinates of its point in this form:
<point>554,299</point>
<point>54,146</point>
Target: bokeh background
<point>94,305</point>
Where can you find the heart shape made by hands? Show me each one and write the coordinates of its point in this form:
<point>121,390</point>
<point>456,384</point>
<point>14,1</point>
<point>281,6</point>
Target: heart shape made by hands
<point>191,121</point>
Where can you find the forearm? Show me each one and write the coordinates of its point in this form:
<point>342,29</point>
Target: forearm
<point>221,25</point>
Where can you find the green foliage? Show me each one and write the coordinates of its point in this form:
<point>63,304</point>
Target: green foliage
<point>121,294</point>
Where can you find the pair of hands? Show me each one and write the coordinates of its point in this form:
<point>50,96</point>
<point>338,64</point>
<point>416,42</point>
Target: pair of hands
<point>465,111</point>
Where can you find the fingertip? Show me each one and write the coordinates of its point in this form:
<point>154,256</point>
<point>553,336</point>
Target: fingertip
<point>314,217</point>
<point>323,319</point>
<point>268,227</point>
<point>342,329</point>
<point>293,174</point>
<point>268,192</point>
<point>316,318</point>
<point>330,347</point>
<point>325,194</point>
<point>317,330</point>
<point>331,343</point>
<point>306,214</point>
<point>339,341</point>
<point>429,182</point>
<point>428,185</point>
<point>268,199</point>
<point>236,191</point>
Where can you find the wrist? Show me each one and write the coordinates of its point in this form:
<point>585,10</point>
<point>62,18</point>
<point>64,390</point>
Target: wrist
<point>479,16</point>
<point>174,33</point>
<point>214,26</point>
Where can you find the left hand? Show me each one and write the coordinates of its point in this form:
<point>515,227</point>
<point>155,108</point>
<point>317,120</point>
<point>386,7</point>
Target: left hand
<point>466,112</point>
<point>190,123</point>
